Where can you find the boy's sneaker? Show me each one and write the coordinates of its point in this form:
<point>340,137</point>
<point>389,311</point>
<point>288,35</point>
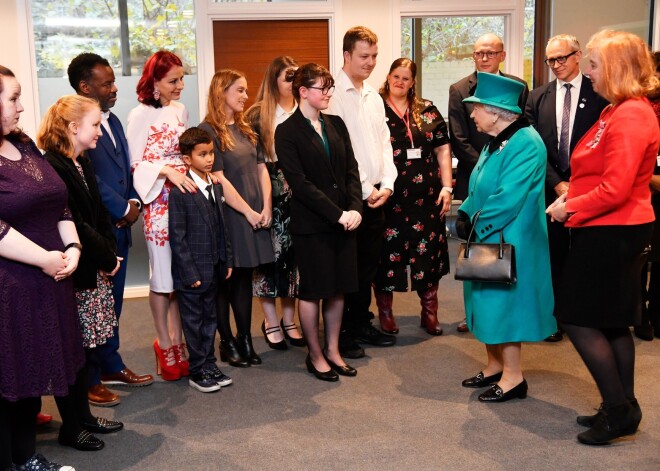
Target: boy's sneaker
<point>218,376</point>
<point>203,382</point>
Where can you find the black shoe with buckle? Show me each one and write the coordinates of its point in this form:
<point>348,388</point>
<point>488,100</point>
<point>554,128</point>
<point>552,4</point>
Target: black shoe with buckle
<point>84,441</point>
<point>481,381</point>
<point>497,394</point>
<point>102,425</point>
<point>369,334</point>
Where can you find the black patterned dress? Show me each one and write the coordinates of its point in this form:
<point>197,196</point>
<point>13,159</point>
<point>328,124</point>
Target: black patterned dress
<point>414,230</point>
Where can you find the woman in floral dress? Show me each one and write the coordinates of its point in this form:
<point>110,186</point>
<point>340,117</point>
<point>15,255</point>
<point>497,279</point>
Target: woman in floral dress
<point>153,131</point>
<point>415,214</point>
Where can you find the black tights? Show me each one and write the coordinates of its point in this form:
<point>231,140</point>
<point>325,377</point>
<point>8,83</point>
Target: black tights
<point>18,430</point>
<point>609,354</point>
<point>74,407</point>
<point>237,292</point>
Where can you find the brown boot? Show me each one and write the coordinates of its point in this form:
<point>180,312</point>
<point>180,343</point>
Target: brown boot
<point>385,314</point>
<point>428,299</point>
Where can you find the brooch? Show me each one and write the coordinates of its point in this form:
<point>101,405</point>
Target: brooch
<point>502,146</point>
<point>594,142</point>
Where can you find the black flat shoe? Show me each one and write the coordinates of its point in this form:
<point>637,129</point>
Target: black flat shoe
<point>496,394</point>
<point>481,381</point>
<point>229,353</point>
<point>556,337</point>
<point>101,425</point>
<point>329,375</point>
<point>346,370</point>
<point>85,441</point>
<point>281,345</point>
<point>294,342</point>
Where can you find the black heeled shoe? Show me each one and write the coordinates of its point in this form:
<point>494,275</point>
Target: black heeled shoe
<point>229,353</point>
<point>294,342</point>
<point>329,375</point>
<point>346,370</point>
<point>245,348</point>
<point>102,425</point>
<point>84,441</point>
<point>497,394</point>
<point>590,420</point>
<point>481,381</point>
<point>281,345</point>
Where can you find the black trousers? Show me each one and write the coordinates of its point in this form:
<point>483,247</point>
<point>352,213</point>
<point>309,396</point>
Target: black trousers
<point>18,430</point>
<point>369,244</point>
<point>237,293</point>
<point>199,320</point>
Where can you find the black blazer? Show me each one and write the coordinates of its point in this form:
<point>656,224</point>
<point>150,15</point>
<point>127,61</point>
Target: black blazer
<point>466,141</point>
<point>541,111</point>
<point>199,241</point>
<point>323,186</point>
<point>91,218</point>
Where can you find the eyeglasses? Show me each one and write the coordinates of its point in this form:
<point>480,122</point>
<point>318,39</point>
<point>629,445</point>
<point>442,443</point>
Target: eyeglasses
<point>559,60</point>
<point>288,77</point>
<point>483,55</point>
<point>325,91</point>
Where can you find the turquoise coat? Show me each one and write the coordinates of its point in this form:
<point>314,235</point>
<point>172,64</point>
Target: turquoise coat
<point>507,185</point>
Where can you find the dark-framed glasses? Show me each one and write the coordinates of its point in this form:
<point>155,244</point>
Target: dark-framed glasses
<point>288,76</point>
<point>559,60</point>
<point>325,91</point>
<point>485,54</point>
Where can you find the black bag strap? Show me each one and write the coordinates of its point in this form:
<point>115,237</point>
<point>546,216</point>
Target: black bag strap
<point>469,239</point>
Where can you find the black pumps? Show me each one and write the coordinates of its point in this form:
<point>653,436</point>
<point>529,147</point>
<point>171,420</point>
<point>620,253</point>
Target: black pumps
<point>329,375</point>
<point>281,345</point>
<point>294,342</point>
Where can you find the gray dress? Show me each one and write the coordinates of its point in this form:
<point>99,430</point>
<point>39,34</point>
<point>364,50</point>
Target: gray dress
<point>251,248</point>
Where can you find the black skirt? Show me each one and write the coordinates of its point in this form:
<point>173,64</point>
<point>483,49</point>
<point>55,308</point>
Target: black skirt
<point>600,286</point>
<point>327,264</point>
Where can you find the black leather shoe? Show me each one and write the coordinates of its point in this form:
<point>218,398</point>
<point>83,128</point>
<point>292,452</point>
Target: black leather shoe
<point>345,370</point>
<point>244,344</point>
<point>293,341</point>
<point>329,375</point>
<point>229,353</point>
<point>369,334</point>
<point>496,394</point>
<point>644,331</point>
<point>85,441</point>
<point>556,337</point>
<point>348,347</point>
<point>281,345</point>
<point>101,425</point>
<point>481,381</point>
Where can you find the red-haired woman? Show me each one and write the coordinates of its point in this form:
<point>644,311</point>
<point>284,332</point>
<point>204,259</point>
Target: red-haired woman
<point>153,131</point>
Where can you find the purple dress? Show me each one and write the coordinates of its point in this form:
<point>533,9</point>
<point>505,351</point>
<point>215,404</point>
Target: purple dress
<point>40,340</point>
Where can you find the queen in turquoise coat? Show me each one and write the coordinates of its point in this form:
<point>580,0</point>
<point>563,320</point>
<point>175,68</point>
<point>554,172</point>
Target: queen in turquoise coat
<point>507,186</point>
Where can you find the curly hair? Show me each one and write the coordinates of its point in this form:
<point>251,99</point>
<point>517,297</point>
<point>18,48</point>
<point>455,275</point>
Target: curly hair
<point>414,102</point>
<point>53,133</point>
<point>261,115</point>
<point>156,67</point>
<point>215,114</point>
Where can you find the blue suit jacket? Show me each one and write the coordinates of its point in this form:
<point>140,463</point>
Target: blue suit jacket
<point>113,172</point>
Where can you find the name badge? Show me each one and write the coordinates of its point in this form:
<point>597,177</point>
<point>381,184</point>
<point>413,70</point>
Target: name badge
<point>657,160</point>
<point>414,154</point>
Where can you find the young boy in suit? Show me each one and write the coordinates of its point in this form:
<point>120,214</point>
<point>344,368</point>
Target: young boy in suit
<point>201,258</point>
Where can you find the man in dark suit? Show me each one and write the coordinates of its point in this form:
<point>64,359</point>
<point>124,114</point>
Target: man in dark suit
<point>466,142</point>
<point>562,111</point>
<point>201,258</point>
<point>91,75</point>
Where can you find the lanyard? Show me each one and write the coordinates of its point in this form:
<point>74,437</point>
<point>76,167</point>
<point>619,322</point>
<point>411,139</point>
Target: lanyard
<point>406,120</point>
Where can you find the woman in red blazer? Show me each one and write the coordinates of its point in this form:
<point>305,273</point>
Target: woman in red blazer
<point>608,208</point>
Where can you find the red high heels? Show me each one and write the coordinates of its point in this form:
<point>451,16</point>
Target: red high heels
<point>166,365</point>
<point>180,357</point>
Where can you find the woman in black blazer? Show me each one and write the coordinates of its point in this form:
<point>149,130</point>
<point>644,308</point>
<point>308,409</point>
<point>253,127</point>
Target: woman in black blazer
<point>71,126</point>
<point>317,159</point>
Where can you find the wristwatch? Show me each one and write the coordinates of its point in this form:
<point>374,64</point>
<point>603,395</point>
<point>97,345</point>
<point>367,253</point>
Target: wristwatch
<point>449,189</point>
<point>75,245</point>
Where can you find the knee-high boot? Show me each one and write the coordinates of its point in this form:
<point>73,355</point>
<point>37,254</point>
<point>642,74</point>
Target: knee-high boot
<point>385,314</point>
<point>428,299</point>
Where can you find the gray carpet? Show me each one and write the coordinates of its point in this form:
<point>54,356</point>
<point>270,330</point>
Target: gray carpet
<point>405,410</point>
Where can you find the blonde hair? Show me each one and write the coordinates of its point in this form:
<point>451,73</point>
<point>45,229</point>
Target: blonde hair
<point>53,133</point>
<point>215,115</point>
<point>627,66</point>
<point>262,113</point>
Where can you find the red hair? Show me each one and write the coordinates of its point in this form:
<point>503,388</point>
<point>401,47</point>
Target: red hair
<point>156,67</point>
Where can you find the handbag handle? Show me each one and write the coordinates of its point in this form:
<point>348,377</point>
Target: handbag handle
<point>467,243</point>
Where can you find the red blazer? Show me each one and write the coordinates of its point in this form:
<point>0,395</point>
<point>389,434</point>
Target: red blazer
<point>611,168</point>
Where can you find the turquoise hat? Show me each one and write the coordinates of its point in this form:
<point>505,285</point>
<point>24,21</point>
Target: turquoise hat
<point>497,90</point>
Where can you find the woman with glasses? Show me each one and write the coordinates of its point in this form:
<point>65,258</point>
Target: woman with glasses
<point>318,162</point>
<point>608,208</point>
<point>242,172</point>
<point>415,214</point>
<point>275,104</point>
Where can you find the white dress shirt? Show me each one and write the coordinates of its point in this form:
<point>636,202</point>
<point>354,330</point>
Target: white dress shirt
<point>575,96</point>
<point>363,112</point>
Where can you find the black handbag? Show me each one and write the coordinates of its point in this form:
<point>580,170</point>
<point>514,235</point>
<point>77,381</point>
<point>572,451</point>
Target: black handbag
<point>493,263</point>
